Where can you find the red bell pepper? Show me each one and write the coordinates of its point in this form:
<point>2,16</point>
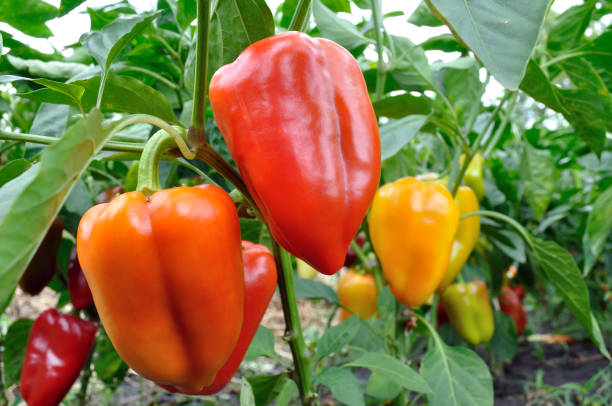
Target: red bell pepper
<point>57,349</point>
<point>510,303</point>
<point>259,286</point>
<point>78,289</point>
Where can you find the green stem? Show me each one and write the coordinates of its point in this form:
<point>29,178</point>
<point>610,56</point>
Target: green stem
<point>570,56</point>
<point>197,137</point>
<point>85,377</point>
<point>380,65</point>
<point>293,328</point>
<point>380,285</point>
<point>103,77</point>
<point>41,139</point>
<point>493,214</point>
<point>148,168</point>
<point>150,73</point>
<point>299,18</point>
<point>492,142</point>
<point>3,399</point>
<point>170,50</point>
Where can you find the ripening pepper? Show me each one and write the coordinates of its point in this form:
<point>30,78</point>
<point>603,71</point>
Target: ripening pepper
<point>43,265</point>
<point>351,255</point>
<point>297,119</point>
<point>78,289</point>
<point>57,349</point>
<point>520,291</point>
<point>510,303</point>
<point>259,286</point>
<point>468,308</point>
<point>358,293</point>
<point>473,175</point>
<point>167,280</point>
<point>412,226</point>
<point>304,270</point>
<point>110,193</point>
<point>465,237</point>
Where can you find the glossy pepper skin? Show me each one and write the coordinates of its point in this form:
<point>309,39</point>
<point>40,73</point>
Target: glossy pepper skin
<point>43,265</point>
<point>297,119</point>
<point>358,293</point>
<point>412,227</point>
<point>57,349</point>
<point>473,175</point>
<point>78,289</point>
<point>259,286</point>
<point>510,303</point>
<point>465,237</point>
<point>468,308</point>
<point>167,280</point>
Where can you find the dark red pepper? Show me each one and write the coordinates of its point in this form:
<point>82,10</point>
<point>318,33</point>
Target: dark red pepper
<point>109,194</point>
<point>510,304</point>
<point>259,286</point>
<point>43,265</point>
<point>58,347</point>
<point>520,291</point>
<point>351,255</point>
<point>78,289</point>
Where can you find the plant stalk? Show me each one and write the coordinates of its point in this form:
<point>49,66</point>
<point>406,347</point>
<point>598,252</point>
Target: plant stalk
<point>196,135</point>
<point>41,139</point>
<point>380,65</point>
<point>299,18</point>
<point>85,377</point>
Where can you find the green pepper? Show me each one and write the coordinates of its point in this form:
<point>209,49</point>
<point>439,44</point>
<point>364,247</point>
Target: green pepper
<point>468,307</point>
<point>473,175</point>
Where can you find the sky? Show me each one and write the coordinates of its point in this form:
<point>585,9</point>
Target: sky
<point>67,29</point>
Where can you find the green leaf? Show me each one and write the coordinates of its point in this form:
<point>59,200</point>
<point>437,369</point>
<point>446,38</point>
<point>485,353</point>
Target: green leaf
<point>560,269</point>
<point>402,105</point>
<point>382,388</point>
<point>309,289</point>
<point>422,16</point>
<point>246,393</point>
<point>567,29</point>
<point>106,44</point>
<point>410,67</point>
<point>288,391</point>
<point>15,343</point>
<point>444,42</point>
<point>47,69</point>
<point>585,114</point>
<point>342,384</point>
<point>30,202</point>
<point>337,29</point>
<point>537,85</point>
<point>109,367</point>
<point>67,6</point>
<point>266,388</point>
<point>335,338</point>
<point>460,83</point>
<point>13,169</point>
<point>457,376</point>
<point>504,343</point>
<point>397,133</point>
<point>501,34</point>
<point>262,345</point>
<point>392,369</point>
<point>28,16</point>
<point>537,172</point>
<point>50,120</point>
<point>253,230</point>
<point>598,228</point>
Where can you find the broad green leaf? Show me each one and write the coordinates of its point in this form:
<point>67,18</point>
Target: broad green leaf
<point>262,345</point>
<point>537,85</point>
<point>28,16</point>
<point>109,367</point>
<point>402,105</point>
<point>343,385</point>
<point>599,54</point>
<point>337,29</point>
<point>102,16</point>
<point>586,115</point>
<point>254,230</point>
<point>288,391</point>
<point>50,120</point>
<point>382,388</point>
<point>598,228</point>
<point>122,93</point>
<point>392,369</point>
<point>14,343</point>
<point>537,172</point>
<point>266,387</point>
<point>335,338</point>
<point>47,69</point>
<point>560,269</point>
<point>409,65</point>
<point>246,393</point>
<point>30,202</point>
<point>444,42</point>
<point>459,82</point>
<point>106,44</point>
<point>501,34</point>
<point>12,170</point>
<point>397,133</point>
<point>457,376</point>
<point>422,16</point>
<point>309,289</point>
<point>67,6</point>
<point>185,11</point>
<point>79,199</point>
<point>568,28</point>
<point>504,343</point>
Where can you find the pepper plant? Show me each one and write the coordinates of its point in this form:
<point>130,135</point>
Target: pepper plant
<point>301,129</point>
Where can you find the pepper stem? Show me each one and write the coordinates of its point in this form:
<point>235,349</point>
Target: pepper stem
<point>148,168</point>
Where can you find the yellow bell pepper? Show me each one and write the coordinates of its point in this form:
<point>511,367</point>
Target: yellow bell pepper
<point>412,225</point>
<point>304,270</point>
<point>358,293</point>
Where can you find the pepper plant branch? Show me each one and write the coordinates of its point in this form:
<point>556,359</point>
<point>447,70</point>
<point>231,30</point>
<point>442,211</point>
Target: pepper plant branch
<point>41,139</point>
<point>499,216</point>
<point>380,65</point>
<point>148,167</point>
<point>85,377</point>
<point>492,142</point>
<point>298,20</point>
<point>150,73</point>
<point>196,134</point>
<point>293,327</point>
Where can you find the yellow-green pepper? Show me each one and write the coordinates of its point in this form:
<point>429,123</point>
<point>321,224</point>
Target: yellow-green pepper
<point>473,175</point>
<point>468,307</point>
